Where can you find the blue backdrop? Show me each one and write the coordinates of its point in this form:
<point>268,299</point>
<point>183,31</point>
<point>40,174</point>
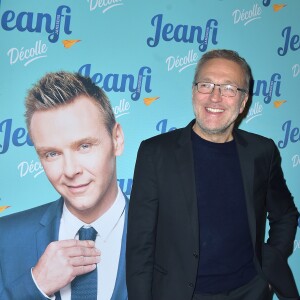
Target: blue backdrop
<point>143,54</point>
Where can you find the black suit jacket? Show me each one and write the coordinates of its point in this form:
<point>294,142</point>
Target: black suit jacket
<point>162,239</point>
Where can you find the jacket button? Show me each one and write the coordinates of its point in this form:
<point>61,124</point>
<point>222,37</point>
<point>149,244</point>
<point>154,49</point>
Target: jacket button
<point>191,285</point>
<point>195,255</point>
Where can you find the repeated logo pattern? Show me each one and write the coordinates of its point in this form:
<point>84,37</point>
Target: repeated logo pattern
<point>144,56</point>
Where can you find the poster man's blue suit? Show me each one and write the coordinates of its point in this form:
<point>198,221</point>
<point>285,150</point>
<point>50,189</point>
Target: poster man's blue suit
<point>24,238</point>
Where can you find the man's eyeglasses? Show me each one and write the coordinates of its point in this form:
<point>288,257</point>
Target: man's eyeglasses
<point>226,90</point>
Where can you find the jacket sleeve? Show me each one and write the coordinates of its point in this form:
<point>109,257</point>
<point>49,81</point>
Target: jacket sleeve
<point>283,219</point>
<point>282,213</point>
<point>16,280</point>
<point>141,234</point>
<point>23,288</point>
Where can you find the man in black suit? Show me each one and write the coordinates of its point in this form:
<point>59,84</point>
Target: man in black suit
<point>200,199</point>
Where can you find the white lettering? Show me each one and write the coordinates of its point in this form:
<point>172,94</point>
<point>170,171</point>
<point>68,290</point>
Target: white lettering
<point>121,109</point>
<point>182,62</point>
<point>296,160</point>
<point>28,55</point>
<point>254,111</point>
<point>247,16</point>
<point>296,244</point>
<point>34,168</point>
<point>106,4</point>
<point>296,70</point>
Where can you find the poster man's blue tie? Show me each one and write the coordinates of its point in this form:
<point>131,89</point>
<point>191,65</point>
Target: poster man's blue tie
<point>84,287</point>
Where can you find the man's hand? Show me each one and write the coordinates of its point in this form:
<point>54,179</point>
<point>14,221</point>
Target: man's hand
<point>62,261</point>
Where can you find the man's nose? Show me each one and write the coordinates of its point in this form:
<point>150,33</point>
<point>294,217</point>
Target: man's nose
<point>215,95</point>
<point>71,165</point>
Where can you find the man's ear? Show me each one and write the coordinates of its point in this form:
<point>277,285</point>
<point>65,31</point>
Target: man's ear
<point>244,102</point>
<point>118,139</point>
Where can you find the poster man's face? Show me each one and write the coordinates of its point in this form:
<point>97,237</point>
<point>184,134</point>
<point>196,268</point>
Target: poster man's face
<point>79,155</point>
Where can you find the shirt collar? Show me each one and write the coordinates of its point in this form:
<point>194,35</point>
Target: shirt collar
<point>103,225</point>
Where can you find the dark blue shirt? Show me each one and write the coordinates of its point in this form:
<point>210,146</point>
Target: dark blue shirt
<point>226,251</point>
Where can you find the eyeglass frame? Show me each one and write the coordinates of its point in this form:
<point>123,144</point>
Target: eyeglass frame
<point>220,88</point>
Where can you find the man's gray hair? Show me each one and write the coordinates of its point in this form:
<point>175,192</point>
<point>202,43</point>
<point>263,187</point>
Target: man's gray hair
<point>229,55</point>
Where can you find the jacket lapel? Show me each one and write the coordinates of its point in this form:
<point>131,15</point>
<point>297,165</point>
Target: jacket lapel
<point>120,290</point>
<point>247,169</point>
<point>49,226</point>
<point>185,163</point>
<point>48,233</point>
